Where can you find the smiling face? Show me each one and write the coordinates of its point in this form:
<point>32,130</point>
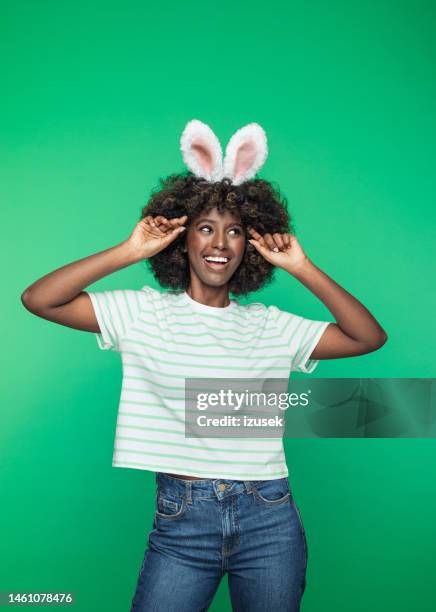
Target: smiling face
<point>216,244</point>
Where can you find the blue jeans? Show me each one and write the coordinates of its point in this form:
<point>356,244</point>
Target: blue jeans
<point>203,529</point>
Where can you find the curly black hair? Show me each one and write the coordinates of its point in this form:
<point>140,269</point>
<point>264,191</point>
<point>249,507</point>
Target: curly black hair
<point>255,202</point>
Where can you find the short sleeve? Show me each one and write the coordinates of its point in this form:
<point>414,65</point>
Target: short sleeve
<point>115,311</point>
<point>302,335</point>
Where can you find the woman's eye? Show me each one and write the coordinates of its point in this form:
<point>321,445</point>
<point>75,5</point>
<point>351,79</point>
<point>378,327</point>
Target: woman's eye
<point>207,227</point>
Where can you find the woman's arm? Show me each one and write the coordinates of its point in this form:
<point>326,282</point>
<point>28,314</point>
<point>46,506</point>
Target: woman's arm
<point>59,296</point>
<point>356,331</point>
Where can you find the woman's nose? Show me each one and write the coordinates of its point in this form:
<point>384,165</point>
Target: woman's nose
<point>220,240</point>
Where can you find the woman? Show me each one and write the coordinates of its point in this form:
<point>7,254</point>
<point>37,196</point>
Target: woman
<point>223,504</point>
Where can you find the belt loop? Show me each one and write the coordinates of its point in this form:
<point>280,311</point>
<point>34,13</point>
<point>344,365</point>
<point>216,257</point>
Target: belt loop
<point>248,486</point>
<point>188,491</point>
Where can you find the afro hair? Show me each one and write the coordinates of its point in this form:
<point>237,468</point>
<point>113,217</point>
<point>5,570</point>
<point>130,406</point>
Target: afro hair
<point>255,203</point>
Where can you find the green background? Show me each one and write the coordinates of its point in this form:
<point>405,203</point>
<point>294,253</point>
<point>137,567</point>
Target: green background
<point>95,96</point>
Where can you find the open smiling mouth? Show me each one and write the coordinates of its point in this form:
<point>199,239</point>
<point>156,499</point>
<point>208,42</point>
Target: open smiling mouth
<point>216,263</point>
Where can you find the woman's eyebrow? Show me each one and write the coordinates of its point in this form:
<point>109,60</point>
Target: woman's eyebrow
<point>203,219</point>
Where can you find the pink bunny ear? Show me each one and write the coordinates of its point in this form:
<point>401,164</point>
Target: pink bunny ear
<point>201,151</point>
<point>246,153</point>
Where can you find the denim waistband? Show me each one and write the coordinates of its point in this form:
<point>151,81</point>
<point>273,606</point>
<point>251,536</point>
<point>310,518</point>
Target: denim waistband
<point>205,488</point>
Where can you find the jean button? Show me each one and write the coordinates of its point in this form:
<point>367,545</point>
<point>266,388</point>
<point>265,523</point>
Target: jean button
<point>222,487</point>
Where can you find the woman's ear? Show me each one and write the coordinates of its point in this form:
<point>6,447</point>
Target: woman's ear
<point>246,153</point>
<point>202,151</point>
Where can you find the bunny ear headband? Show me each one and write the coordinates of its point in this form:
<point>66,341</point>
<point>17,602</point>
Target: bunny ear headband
<point>246,152</point>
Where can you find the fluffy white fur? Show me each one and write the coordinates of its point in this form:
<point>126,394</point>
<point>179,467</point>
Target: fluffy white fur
<point>246,152</point>
<point>251,133</point>
<point>196,131</point>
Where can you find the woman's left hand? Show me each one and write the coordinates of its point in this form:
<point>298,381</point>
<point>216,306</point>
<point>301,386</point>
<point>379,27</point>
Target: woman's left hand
<point>281,250</point>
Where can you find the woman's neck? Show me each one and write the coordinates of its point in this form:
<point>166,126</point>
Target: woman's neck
<point>209,296</point>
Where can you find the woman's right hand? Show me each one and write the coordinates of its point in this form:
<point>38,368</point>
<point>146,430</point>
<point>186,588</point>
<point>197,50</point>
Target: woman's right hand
<point>60,296</point>
<point>153,234</point>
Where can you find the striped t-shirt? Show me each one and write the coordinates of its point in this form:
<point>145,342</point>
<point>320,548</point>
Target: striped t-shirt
<point>166,337</point>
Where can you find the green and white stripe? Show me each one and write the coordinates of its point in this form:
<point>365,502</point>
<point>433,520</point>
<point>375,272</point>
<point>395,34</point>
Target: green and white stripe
<point>165,338</point>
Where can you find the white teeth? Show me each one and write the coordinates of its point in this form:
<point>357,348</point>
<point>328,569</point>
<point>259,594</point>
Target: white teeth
<point>217,259</point>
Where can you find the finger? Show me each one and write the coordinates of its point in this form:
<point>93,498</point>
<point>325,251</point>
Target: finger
<point>177,221</point>
<point>173,233</point>
<point>160,219</point>
<point>152,222</point>
<point>270,242</point>
<point>286,240</point>
<point>279,241</point>
<point>162,223</point>
<point>254,234</point>
<point>263,250</point>
<point>259,238</point>
<point>150,226</point>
